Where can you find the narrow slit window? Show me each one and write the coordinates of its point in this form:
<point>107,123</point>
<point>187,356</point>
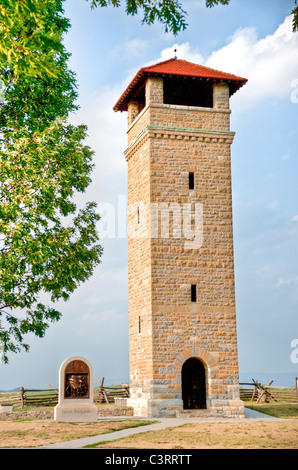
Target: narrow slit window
<point>191,180</point>
<point>139,322</point>
<point>193,293</point>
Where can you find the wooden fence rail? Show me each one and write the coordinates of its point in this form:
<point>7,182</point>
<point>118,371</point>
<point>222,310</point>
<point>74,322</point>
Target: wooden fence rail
<point>49,397</point>
<point>27,397</point>
<point>256,391</point>
<point>13,397</point>
<point>109,394</point>
<point>38,397</point>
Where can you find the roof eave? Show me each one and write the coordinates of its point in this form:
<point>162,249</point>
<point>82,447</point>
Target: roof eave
<point>143,74</point>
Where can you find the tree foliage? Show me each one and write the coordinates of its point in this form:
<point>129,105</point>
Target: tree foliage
<point>47,245</point>
<point>295,17</point>
<point>168,12</point>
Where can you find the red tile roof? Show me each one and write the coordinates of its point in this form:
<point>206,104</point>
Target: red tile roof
<point>176,67</point>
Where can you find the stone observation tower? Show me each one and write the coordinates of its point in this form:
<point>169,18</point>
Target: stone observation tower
<point>182,320</point>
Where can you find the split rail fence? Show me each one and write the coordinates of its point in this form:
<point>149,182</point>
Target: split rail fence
<point>49,397</point>
<point>109,394</point>
<point>31,397</point>
<point>268,393</point>
<point>253,391</point>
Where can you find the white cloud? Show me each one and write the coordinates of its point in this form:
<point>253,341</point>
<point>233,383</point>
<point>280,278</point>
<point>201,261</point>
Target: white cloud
<point>270,64</point>
<point>184,51</point>
<point>107,137</point>
<point>283,282</point>
<point>266,272</point>
<point>274,205</point>
<point>132,48</point>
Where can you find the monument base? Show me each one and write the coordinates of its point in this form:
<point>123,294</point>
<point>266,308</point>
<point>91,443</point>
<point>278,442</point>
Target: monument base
<point>225,409</point>
<point>75,413</point>
<point>154,408</point>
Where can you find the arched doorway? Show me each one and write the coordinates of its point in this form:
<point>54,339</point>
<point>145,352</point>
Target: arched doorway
<point>193,384</point>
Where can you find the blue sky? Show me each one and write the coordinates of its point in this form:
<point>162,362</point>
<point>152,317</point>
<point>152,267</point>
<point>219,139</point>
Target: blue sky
<point>253,39</point>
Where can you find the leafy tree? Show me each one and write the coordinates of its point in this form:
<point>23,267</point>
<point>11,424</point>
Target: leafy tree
<point>47,245</point>
<point>168,12</point>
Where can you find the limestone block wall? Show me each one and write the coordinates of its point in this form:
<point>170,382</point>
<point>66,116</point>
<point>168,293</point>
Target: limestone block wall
<point>139,271</point>
<point>221,96</point>
<point>180,326</point>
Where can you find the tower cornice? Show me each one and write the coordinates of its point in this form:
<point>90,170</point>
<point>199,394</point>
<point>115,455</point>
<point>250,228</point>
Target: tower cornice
<point>179,133</point>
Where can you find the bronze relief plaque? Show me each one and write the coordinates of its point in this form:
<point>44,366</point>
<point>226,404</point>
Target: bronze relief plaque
<point>77,381</point>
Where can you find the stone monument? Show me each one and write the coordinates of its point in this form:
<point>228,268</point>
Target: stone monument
<point>75,391</point>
